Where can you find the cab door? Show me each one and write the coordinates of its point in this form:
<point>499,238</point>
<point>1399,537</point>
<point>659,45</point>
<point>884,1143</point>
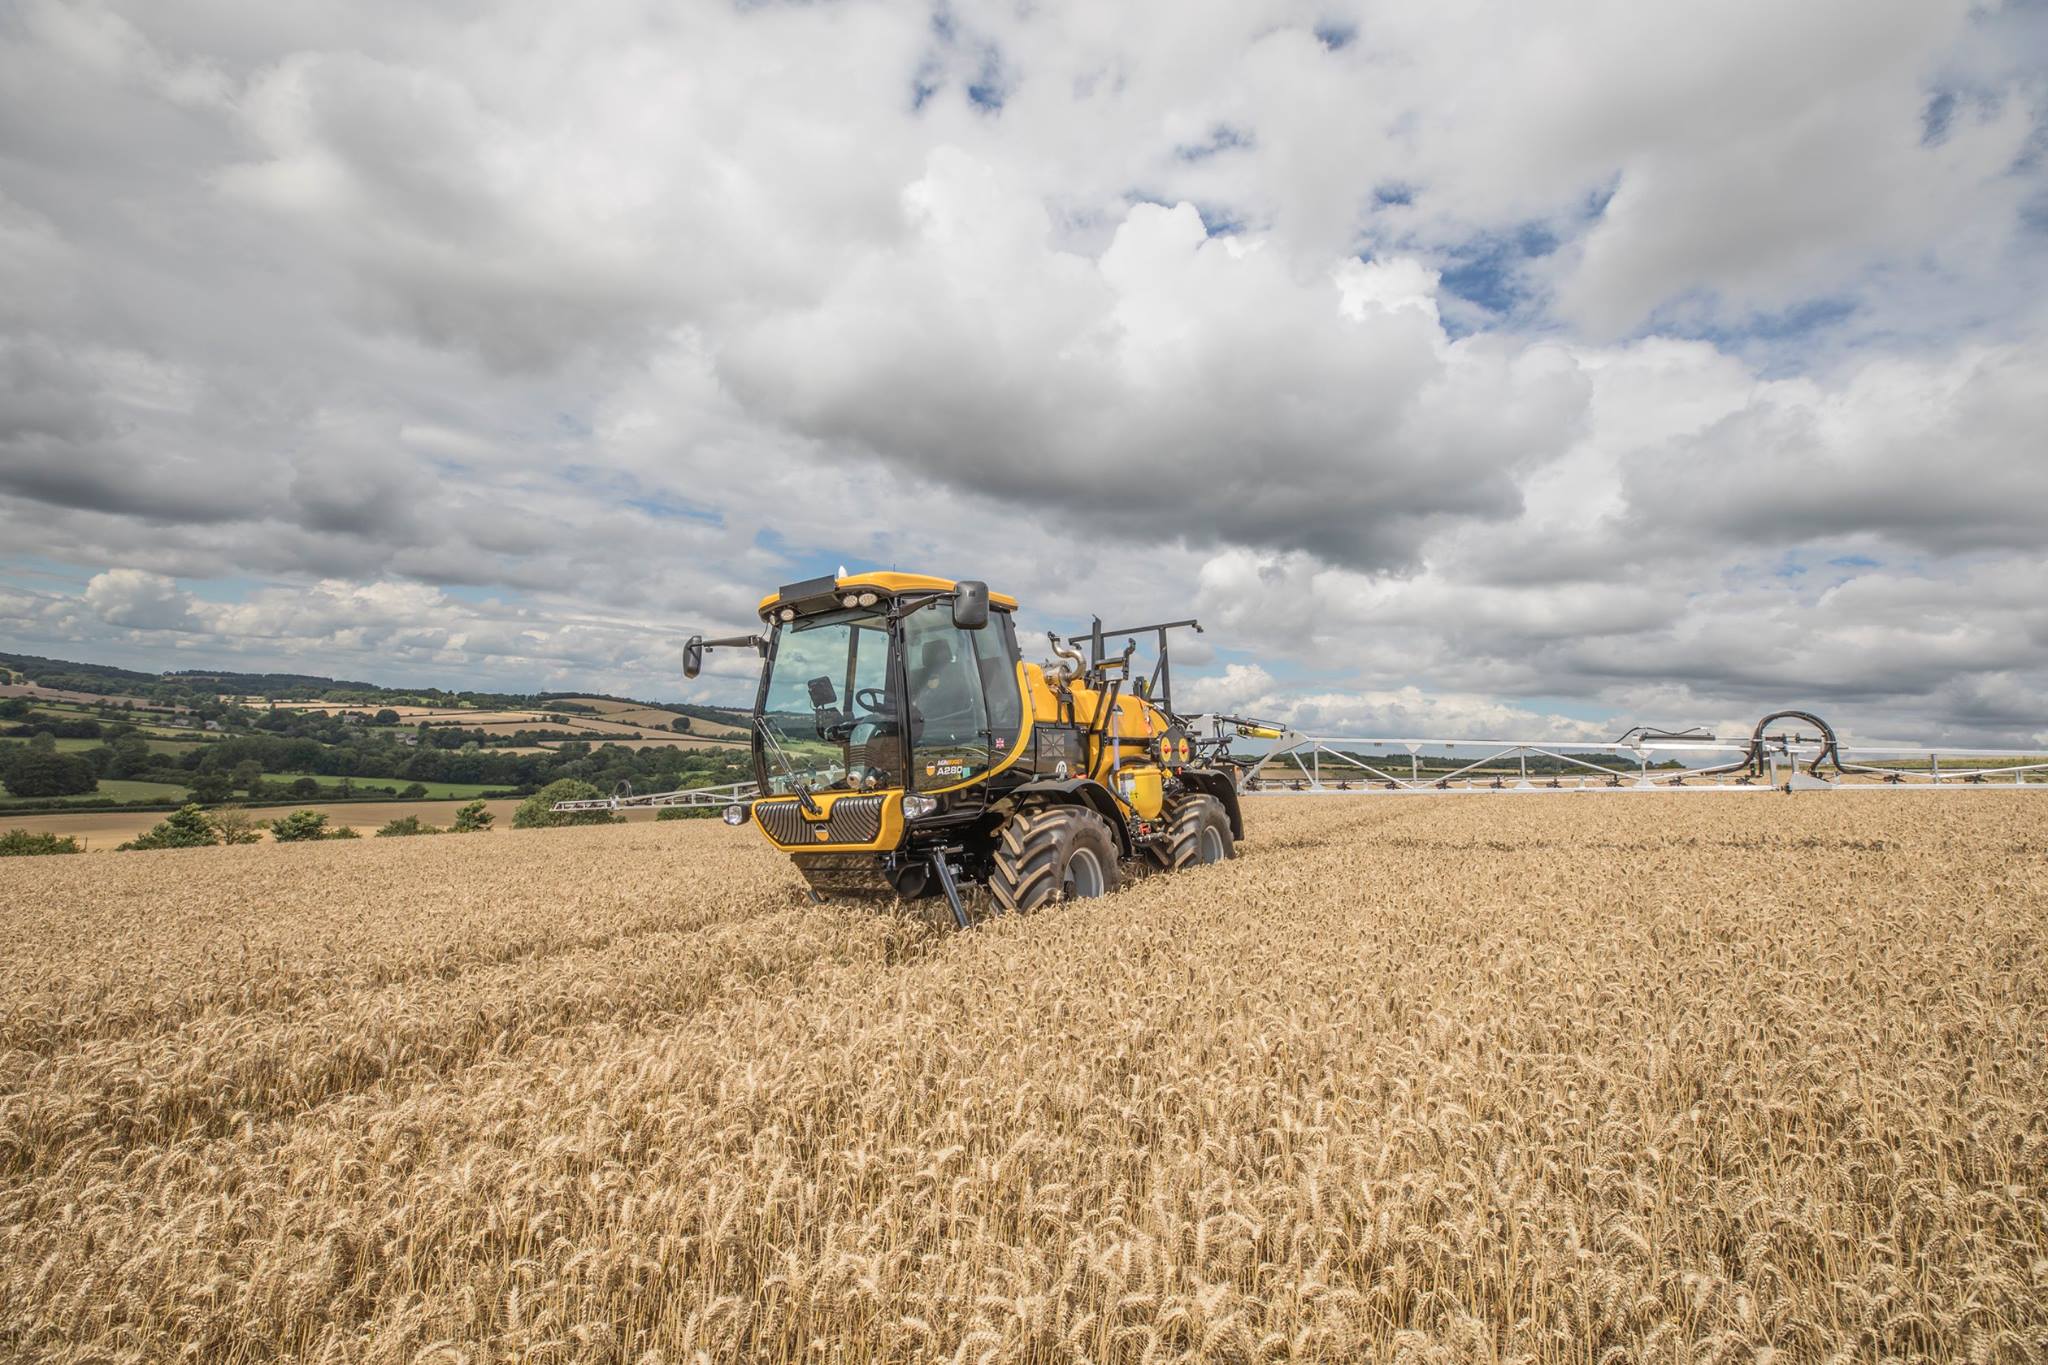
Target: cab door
<point>945,707</point>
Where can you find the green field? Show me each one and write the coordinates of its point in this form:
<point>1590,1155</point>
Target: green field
<point>123,790</point>
<point>174,747</point>
<point>435,790</point>
<point>118,790</point>
<point>330,787</point>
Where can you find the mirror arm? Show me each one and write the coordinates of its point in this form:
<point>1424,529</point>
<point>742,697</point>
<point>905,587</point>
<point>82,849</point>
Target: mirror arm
<point>694,647</point>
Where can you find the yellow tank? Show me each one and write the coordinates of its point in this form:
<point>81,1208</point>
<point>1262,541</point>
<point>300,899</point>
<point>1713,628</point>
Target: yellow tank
<point>1143,789</point>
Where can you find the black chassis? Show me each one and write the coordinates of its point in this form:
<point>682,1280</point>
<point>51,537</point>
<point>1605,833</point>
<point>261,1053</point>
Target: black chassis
<point>956,844</point>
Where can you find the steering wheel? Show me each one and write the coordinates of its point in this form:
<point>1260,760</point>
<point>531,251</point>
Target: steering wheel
<point>872,699</point>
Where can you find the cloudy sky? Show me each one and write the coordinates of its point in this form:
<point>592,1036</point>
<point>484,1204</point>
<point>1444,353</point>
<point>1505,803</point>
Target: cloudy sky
<point>1470,367</point>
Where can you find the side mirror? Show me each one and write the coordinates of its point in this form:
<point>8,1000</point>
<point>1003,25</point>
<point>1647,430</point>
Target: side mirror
<point>970,605</point>
<point>693,656</point>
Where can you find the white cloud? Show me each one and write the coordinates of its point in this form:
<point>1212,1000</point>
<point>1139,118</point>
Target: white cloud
<point>143,601</point>
<point>1396,713</point>
<point>376,338</point>
<point>1328,411</point>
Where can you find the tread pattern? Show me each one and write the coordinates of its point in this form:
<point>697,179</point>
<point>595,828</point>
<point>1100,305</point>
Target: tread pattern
<point>1031,855</point>
<point>1187,818</point>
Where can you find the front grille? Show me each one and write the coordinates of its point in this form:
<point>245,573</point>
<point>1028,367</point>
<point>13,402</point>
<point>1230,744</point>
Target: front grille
<point>852,820</point>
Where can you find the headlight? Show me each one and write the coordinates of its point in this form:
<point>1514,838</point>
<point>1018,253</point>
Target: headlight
<point>787,613</point>
<point>914,806</point>
<point>868,599</point>
<point>850,600</point>
<point>734,815</point>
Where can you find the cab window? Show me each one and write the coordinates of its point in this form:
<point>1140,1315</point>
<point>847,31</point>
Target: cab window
<point>995,657</point>
<point>948,713</point>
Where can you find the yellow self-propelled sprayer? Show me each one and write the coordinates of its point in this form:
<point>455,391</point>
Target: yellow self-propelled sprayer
<point>904,748</point>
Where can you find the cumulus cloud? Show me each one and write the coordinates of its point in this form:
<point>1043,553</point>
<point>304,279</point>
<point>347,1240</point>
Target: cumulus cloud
<point>1406,713</point>
<point>1464,366</point>
<point>146,601</point>
<point>1329,412</point>
<point>1942,455</point>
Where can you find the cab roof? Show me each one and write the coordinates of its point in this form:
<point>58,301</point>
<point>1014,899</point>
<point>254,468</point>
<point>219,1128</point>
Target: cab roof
<point>891,584</point>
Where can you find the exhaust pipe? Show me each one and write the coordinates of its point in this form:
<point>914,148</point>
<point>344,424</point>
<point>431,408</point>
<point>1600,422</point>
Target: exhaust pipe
<point>1070,666</point>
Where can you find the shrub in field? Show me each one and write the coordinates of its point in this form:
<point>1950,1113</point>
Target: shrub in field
<point>404,825</point>
<point>187,827</point>
<point>472,819</point>
<point>17,843</point>
<point>300,825</point>
<point>685,812</point>
<point>535,811</point>
<point>236,825</point>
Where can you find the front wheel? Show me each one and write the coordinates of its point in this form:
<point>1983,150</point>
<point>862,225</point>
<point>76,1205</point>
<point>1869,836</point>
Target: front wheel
<point>1198,832</point>
<point>1065,852</point>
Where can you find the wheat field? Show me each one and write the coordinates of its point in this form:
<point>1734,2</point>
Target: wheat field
<point>1614,1078</point>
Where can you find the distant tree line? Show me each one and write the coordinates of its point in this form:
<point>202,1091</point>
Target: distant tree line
<point>317,749</point>
<point>215,771</point>
<point>199,688</point>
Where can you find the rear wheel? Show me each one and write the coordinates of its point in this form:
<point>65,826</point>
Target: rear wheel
<point>1065,852</point>
<point>1198,832</point>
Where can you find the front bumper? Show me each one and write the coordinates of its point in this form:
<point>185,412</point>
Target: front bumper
<point>845,822</point>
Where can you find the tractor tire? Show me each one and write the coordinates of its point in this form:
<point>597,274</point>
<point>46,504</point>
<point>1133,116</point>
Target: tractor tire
<point>1198,832</point>
<point>1061,853</point>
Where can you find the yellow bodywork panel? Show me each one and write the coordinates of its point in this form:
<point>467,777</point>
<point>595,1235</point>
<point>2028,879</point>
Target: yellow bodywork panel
<point>1121,757</point>
<point>847,822</point>
<point>896,584</point>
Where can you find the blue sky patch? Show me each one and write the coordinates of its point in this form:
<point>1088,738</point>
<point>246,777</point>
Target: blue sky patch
<point>1936,117</point>
<point>670,508</point>
<point>1780,342</point>
<point>1335,36</point>
<point>988,92</point>
<point>1486,271</point>
<point>1222,138</point>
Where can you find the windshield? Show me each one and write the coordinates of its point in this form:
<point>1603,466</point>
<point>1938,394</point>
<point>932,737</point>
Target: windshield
<point>827,714</point>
